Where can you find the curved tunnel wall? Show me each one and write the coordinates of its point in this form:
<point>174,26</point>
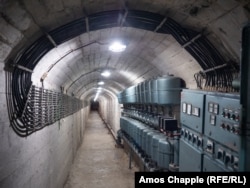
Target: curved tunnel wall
<point>201,49</point>
<point>45,156</point>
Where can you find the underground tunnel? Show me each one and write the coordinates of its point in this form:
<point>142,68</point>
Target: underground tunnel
<point>138,85</point>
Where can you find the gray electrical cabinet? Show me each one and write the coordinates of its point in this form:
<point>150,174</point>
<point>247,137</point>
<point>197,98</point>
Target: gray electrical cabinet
<point>211,132</point>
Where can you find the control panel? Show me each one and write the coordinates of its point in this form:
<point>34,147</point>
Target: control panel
<point>222,119</point>
<point>191,150</point>
<point>192,106</point>
<point>210,131</point>
<point>203,133</point>
<point>223,157</point>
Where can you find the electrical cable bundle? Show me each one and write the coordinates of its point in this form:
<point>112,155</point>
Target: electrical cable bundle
<point>32,108</point>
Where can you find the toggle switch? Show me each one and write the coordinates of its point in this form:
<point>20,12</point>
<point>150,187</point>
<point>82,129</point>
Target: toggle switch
<point>194,139</point>
<point>236,162</point>
<point>227,159</point>
<point>210,146</point>
<point>199,142</point>
<point>220,154</point>
<point>190,136</point>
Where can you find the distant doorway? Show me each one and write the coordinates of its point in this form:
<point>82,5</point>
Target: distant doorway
<point>94,105</point>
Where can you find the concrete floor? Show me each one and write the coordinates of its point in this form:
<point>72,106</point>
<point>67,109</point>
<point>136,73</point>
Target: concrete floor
<point>99,164</point>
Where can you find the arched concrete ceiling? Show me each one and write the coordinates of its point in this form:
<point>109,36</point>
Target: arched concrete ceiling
<point>75,64</point>
<point>147,55</point>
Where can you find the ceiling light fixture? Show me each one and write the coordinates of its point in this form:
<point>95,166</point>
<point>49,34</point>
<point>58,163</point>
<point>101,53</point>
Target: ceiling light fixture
<point>105,73</point>
<point>101,83</point>
<point>117,47</point>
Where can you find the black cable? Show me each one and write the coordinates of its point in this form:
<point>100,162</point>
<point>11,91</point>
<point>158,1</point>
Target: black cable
<point>30,111</point>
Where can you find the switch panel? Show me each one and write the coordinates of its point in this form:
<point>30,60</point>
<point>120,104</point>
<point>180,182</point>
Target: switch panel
<point>192,137</point>
<point>190,158</point>
<point>210,147</point>
<point>209,165</point>
<point>192,109</point>
<point>226,157</point>
<point>222,116</point>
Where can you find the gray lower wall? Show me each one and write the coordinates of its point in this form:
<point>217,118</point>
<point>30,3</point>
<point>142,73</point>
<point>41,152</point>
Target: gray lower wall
<point>43,159</point>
